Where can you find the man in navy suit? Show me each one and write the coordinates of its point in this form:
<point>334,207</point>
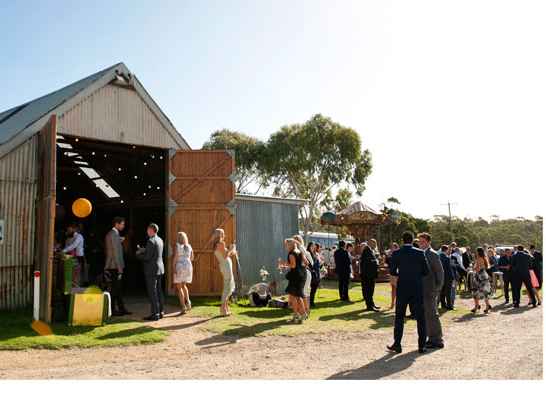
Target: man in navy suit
<point>521,263</point>
<point>446,298</point>
<point>343,270</point>
<point>410,265</point>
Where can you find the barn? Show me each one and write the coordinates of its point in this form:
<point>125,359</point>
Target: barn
<point>104,138</point>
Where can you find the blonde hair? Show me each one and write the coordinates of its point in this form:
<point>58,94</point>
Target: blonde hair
<point>217,237</point>
<point>182,238</point>
<point>293,245</point>
<point>299,239</point>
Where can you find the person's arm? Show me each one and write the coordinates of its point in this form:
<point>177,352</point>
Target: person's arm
<point>438,270</point>
<point>192,256</point>
<point>292,261</point>
<point>74,245</point>
<point>149,252</point>
<point>175,258</point>
<point>425,268</point>
<point>393,265</point>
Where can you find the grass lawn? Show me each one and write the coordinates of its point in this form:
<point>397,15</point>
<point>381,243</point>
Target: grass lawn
<point>329,315</point>
<point>16,334</point>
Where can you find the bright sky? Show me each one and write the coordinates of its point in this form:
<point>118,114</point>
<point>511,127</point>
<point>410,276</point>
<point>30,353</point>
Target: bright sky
<point>450,97</point>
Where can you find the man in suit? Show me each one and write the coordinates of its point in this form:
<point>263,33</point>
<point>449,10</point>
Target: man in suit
<point>537,264</point>
<point>432,287</point>
<point>447,298</point>
<point>410,265</point>
<point>368,274</point>
<point>114,266</point>
<point>343,270</point>
<point>152,257</point>
<point>504,267</point>
<point>521,263</point>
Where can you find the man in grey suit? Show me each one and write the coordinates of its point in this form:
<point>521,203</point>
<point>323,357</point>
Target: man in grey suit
<point>114,266</point>
<point>432,287</point>
<point>152,257</point>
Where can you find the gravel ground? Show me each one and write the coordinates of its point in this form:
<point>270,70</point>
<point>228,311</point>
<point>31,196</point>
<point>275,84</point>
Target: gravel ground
<point>506,344</point>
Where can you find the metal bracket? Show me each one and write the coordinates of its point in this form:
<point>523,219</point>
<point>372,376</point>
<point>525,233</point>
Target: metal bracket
<point>172,206</point>
<point>232,206</point>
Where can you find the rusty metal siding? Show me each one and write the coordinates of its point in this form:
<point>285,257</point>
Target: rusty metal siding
<point>116,114</point>
<point>262,225</point>
<point>18,185</point>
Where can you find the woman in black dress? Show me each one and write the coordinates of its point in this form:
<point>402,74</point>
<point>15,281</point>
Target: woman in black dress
<point>296,276</point>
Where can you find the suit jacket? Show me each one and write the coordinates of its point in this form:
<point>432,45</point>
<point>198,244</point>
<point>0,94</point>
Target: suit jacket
<point>113,251</point>
<point>521,263</point>
<point>449,274</point>
<point>368,264</point>
<point>343,262</point>
<point>537,263</point>
<point>433,283</point>
<point>410,265</point>
<point>467,259</point>
<point>152,257</point>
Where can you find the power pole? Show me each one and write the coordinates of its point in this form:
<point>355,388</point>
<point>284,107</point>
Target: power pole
<point>449,204</point>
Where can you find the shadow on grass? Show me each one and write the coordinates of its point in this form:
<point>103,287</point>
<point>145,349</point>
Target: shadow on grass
<point>387,365</point>
<point>231,335</point>
<point>381,320</point>
<point>266,312</point>
<point>184,325</point>
<point>216,341</point>
<point>127,333</point>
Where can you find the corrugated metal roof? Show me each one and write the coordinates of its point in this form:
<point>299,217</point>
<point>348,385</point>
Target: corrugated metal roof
<point>268,199</point>
<point>26,114</point>
<point>19,123</point>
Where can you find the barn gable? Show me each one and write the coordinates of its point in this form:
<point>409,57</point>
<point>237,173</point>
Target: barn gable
<point>109,105</point>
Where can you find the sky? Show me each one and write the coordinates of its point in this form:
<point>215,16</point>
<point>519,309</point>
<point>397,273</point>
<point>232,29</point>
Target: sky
<point>449,97</point>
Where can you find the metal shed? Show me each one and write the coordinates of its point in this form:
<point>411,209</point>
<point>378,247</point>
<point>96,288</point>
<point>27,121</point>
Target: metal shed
<point>262,225</point>
<point>107,111</point>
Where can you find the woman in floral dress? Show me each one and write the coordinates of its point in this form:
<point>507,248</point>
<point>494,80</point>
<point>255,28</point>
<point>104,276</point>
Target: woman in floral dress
<point>481,286</point>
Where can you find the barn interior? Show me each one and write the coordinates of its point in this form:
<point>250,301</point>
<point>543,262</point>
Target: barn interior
<point>119,180</point>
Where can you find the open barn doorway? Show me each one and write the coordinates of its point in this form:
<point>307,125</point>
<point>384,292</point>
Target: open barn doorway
<point>119,180</point>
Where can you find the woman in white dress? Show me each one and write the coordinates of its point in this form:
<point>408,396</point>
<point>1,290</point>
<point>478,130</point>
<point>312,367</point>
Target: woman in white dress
<point>223,255</point>
<point>182,270</point>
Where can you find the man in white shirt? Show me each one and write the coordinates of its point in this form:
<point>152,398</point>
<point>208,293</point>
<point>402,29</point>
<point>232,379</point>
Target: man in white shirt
<point>75,241</point>
<point>74,246</point>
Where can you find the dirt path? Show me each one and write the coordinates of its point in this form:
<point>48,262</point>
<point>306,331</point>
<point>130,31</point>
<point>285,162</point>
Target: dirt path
<point>506,344</point>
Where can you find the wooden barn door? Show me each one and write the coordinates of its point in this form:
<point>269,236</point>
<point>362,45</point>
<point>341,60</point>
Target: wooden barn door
<point>200,199</point>
<point>45,213</point>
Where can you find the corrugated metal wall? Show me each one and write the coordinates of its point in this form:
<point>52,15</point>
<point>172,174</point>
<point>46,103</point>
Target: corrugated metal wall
<point>261,228</point>
<point>18,184</point>
<point>116,114</point>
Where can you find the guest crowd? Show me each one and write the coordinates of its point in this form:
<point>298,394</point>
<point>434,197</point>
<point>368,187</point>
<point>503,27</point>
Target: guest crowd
<point>421,278</point>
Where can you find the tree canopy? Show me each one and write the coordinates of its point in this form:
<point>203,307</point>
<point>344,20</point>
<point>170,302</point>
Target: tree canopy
<point>310,160</point>
<point>247,157</point>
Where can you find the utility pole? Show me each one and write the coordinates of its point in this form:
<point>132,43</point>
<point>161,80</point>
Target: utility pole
<point>449,204</point>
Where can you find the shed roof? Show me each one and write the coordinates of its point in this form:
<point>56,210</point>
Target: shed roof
<point>19,123</point>
<point>269,199</point>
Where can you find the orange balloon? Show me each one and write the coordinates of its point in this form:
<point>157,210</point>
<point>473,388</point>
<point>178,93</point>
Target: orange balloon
<point>82,208</point>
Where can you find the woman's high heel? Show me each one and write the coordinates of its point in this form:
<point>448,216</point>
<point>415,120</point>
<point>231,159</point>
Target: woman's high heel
<point>487,308</point>
<point>475,309</point>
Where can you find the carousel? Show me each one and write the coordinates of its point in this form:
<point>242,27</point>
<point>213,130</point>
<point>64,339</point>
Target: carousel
<point>362,222</point>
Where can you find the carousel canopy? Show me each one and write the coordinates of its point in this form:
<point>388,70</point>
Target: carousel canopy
<point>356,213</point>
